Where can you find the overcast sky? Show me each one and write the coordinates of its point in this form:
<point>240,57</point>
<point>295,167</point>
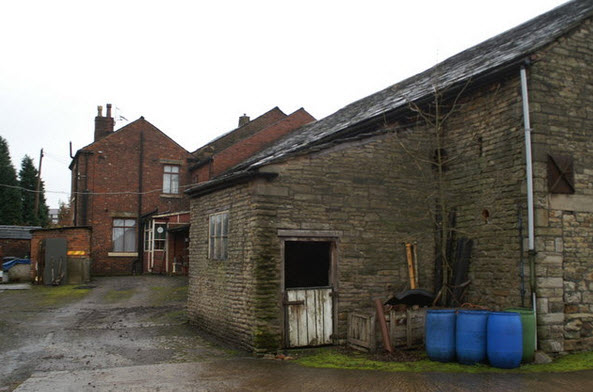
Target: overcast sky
<point>192,68</point>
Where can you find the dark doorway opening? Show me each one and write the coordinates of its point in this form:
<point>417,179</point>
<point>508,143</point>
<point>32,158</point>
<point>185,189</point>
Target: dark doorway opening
<point>306,263</point>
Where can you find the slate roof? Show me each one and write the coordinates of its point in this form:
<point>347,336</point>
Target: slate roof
<point>17,232</point>
<point>506,49</point>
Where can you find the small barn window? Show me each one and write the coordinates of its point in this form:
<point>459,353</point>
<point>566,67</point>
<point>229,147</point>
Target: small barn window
<point>560,174</point>
<point>218,236</point>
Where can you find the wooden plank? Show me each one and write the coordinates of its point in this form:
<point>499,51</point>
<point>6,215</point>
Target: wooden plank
<point>297,321</point>
<point>309,323</point>
<point>328,311</point>
<point>292,320</point>
<point>409,337</point>
<point>312,336</point>
<point>303,328</point>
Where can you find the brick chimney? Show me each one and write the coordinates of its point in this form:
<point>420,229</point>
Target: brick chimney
<point>103,125</point>
<point>243,120</point>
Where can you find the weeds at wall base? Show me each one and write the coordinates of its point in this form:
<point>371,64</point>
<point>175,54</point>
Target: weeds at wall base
<point>337,358</point>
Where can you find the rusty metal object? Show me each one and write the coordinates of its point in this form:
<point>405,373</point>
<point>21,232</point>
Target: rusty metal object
<point>383,323</point>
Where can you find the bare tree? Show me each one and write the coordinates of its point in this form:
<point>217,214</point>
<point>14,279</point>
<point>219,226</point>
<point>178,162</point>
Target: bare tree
<point>426,142</point>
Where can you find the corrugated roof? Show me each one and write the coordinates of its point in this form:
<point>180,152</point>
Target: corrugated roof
<point>496,53</point>
<point>17,232</point>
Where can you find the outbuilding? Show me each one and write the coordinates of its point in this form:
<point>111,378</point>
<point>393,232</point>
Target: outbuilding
<point>287,244</point>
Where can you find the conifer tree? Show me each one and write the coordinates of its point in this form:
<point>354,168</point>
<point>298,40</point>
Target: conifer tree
<point>10,197</point>
<point>28,183</point>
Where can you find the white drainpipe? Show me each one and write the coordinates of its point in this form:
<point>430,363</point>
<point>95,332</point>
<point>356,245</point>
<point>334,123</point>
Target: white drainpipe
<point>529,173</point>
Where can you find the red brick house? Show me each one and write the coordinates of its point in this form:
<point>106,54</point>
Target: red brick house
<point>263,132</point>
<point>121,177</point>
<point>128,186</point>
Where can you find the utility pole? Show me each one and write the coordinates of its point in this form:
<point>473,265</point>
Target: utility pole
<point>38,189</point>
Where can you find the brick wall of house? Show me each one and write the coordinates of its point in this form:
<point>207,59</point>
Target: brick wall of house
<point>561,93</point>
<point>78,240</point>
<point>242,131</point>
<point>14,247</point>
<point>224,159</point>
<point>238,152</point>
<point>112,177</point>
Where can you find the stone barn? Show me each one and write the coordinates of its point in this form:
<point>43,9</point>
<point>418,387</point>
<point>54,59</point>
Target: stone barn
<point>490,147</point>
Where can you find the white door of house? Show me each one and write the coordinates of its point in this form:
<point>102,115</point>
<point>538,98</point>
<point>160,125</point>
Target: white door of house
<point>308,300</point>
<point>309,314</point>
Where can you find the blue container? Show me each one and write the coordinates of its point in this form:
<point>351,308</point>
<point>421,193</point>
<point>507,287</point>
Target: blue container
<point>505,339</point>
<point>439,335</point>
<point>470,336</point>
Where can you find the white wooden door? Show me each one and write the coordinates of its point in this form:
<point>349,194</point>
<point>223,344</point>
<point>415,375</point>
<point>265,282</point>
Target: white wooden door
<point>309,316</point>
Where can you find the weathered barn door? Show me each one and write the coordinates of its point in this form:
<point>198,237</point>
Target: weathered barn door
<point>308,291</point>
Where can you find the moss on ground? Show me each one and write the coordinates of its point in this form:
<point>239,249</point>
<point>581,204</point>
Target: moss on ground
<point>62,295</point>
<point>51,296</point>
<point>331,358</point>
<point>115,296</point>
<point>161,295</point>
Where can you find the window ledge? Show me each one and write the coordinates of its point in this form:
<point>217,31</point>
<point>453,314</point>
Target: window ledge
<point>122,254</point>
<point>171,195</point>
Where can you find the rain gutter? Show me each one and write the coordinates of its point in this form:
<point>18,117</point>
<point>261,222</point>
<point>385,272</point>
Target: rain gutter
<point>530,207</point>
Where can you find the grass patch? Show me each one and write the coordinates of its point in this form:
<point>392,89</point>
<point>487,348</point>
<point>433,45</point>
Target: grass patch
<point>331,358</point>
<point>114,296</point>
<point>567,363</point>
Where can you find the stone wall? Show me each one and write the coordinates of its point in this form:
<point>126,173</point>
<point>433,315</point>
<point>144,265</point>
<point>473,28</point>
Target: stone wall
<point>222,292</point>
<point>378,192</point>
<point>561,94</point>
<point>372,205</point>
<point>483,181</point>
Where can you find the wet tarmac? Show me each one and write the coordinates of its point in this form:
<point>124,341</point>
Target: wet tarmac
<point>261,375</point>
<point>121,322</point>
<point>130,334</point>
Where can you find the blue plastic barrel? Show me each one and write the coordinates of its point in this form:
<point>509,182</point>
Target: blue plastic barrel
<point>504,339</point>
<point>440,334</point>
<point>470,336</point>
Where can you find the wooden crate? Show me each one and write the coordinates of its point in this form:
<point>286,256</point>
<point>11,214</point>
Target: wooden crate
<point>361,331</point>
<point>406,328</point>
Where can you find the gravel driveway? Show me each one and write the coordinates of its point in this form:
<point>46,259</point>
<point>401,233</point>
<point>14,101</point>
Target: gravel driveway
<point>111,322</point>
<point>129,334</point>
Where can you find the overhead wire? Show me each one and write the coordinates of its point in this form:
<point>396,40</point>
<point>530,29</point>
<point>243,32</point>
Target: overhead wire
<point>91,193</point>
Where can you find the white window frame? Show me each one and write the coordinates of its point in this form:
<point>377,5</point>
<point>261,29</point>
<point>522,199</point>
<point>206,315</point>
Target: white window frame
<point>171,179</point>
<point>148,237</point>
<point>155,236</point>
<point>129,226</point>
<point>218,236</point>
